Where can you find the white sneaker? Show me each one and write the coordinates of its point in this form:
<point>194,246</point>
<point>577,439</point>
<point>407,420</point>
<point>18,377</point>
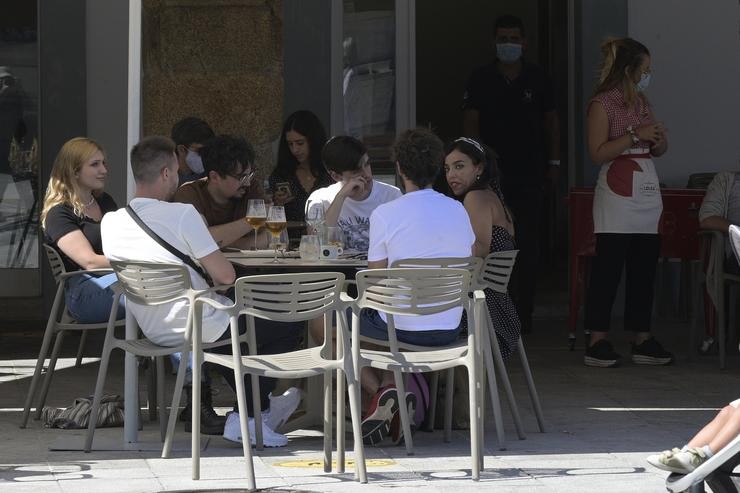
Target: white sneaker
<point>233,432</point>
<point>282,408</point>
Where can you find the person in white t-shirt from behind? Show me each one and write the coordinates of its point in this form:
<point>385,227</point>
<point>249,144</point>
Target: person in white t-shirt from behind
<point>422,223</point>
<point>349,202</point>
<point>154,166</point>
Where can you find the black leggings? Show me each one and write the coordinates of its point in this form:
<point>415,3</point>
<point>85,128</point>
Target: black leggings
<point>638,254</point>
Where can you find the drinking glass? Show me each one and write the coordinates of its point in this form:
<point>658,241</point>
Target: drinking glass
<point>335,236</point>
<point>315,217</point>
<point>309,248</point>
<point>275,224</point>
<point>256,215</point>
<point>281,242</point>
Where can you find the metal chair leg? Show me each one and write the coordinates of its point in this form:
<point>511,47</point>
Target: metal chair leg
<point>81,349</point>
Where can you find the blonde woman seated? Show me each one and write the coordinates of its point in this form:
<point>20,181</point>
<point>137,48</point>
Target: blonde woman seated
<point>473,178</point>
<point>74,205</point>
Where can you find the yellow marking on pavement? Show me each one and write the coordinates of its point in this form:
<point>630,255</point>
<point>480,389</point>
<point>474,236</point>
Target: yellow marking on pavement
<point>310,463</point>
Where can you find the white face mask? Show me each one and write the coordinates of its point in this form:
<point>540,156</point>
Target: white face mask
<point>644,82</point>
<point>194,162</point>
<point>508,52</point>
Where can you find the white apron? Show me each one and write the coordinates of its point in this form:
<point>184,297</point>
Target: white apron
<point>627,195</point>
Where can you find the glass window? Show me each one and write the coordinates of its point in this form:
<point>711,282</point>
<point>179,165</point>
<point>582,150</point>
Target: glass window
<point>19,164</point>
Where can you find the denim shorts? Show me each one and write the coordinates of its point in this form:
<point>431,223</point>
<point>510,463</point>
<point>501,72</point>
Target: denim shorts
<point>372,325</point>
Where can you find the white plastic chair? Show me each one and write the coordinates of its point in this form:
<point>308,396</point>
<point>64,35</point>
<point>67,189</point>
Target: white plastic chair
<point>683,482</point>
<point>291,298</point>
<point>59,322</point>
<point>472,265</point>
<point>154,284</point>
<point>423,291</point>
<point>495,274</point>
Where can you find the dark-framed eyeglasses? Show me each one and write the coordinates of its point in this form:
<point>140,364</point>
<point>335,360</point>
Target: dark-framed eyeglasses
<point>243,178</point>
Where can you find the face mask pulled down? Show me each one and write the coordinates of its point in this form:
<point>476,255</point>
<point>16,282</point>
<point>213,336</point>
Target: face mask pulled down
<point>644,82</point>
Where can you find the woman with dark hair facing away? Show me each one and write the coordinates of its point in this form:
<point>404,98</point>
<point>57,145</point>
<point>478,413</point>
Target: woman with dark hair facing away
<point>299,169</point>
<point>623,137</point>
<point>74,205</point>
<point>473,178</point>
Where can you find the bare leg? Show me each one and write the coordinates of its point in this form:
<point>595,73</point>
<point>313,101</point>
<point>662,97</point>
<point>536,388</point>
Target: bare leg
<point>715,428</point>
<point>728,432</point>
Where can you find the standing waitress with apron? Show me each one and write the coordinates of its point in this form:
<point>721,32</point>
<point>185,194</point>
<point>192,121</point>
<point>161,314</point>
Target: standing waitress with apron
<point>623,137</point>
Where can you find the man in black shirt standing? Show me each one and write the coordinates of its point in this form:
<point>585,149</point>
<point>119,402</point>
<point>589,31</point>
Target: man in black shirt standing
<point>509,104</point>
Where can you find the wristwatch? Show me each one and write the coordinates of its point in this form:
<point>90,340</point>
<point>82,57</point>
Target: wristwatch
<point>633,135</point>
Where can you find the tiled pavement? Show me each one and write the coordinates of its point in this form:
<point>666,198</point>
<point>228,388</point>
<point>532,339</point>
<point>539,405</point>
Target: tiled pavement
<point>601,425</point>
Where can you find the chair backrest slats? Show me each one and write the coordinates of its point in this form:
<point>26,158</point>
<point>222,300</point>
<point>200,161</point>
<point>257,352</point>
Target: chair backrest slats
<point>496,271</point>
<point>289,297</point>
<point>55,262</point>
<point>149,283</point>
<point>413,291</point>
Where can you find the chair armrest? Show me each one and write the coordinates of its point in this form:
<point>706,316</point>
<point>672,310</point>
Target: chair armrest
<point>200,298</point>
<point>479,295</point>
<point>67,275</point>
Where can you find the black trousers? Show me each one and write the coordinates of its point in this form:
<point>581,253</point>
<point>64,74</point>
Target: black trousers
<point>272,338</point>
<point>525,203</point>
<point>638,255</point>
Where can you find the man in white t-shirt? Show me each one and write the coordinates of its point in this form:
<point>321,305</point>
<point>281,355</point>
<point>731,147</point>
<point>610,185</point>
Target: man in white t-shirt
<point>349,202</point>
<point>154,166</point>
<point>421,224</point>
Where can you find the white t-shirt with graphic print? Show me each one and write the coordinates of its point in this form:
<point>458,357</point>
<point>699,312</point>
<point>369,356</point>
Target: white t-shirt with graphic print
<point>354,218</point>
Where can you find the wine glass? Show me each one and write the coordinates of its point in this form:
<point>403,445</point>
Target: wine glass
<point>281,242</point>
<point>276,223</point>
<point>256,215</point>
<point>315,217</point>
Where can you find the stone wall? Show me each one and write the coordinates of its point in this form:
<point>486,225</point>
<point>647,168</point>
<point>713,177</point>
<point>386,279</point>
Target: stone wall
<point>221,60</point>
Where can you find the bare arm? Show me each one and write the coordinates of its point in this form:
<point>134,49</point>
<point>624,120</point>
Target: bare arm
<point>479,211</point>
<point>75,246</point>
<point>226,234</point>
<point>471,122</point>
<point>600,148</point>
<point>247,242</point>
<point>716,223</point>
<point>218,267</point>
<point>335,209</point>
<point>377,264</point>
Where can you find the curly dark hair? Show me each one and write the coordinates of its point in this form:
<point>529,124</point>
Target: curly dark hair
<point>420,155</point>
<point>224,153</point>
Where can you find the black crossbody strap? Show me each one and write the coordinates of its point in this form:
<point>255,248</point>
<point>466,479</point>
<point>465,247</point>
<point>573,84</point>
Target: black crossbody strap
<point>174,251</point>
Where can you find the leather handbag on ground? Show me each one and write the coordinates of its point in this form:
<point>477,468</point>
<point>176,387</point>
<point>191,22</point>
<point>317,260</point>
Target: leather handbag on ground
<point>78,414</point>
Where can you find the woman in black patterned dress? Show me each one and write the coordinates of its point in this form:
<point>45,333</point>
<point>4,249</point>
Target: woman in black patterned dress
<point>473,178</point>
<point>299,169</point>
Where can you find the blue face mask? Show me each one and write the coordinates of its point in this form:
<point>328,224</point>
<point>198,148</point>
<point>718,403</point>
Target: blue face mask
<point>194,162</point>
<point>644,82</point>
<point>508,52</point>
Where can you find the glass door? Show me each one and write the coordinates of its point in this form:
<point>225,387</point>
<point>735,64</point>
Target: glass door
<point>372,75</point>
<point>19,150</point>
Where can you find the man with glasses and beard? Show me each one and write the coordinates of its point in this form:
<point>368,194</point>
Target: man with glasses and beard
<point>221,196</point>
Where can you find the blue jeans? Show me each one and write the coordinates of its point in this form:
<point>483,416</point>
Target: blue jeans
<point>89,298</point>
<point>371,325</point>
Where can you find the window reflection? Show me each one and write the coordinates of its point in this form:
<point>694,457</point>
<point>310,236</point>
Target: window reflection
<point>369,75</point>
<point>19,136</point>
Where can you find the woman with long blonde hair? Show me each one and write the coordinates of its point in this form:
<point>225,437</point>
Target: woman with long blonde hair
<point>74,205</point>
<point>623,137</point>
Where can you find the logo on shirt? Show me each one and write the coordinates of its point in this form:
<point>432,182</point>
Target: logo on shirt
<point>528,96</point>
<point>356,232</point>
